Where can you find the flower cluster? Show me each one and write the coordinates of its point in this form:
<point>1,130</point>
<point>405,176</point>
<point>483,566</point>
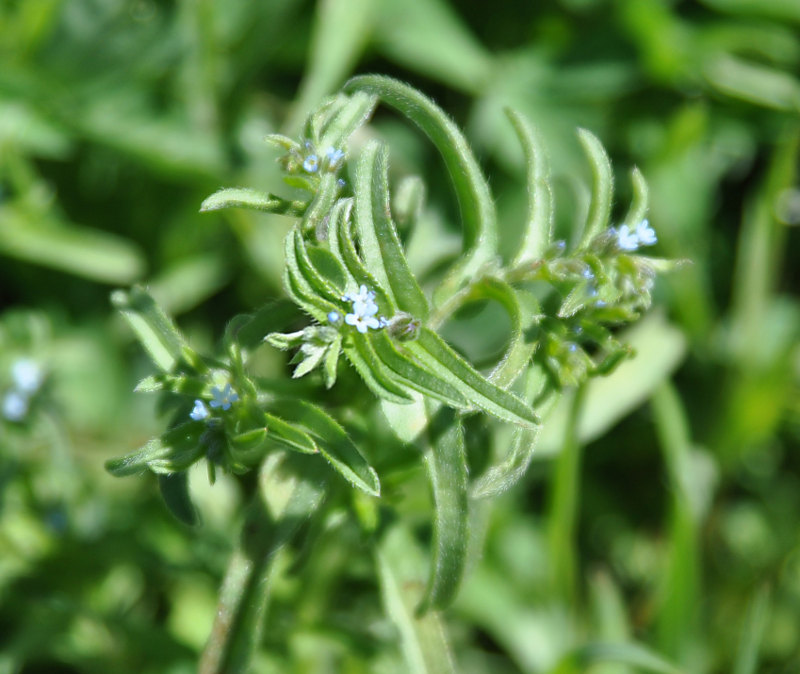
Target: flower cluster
<point>221,398</point>
<point>27,376</point>
<point>362,318</point>
<point>331,160</point>
<point>628,239</point>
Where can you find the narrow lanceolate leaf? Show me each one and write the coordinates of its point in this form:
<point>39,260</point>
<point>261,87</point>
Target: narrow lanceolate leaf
<point>632,654</point>
<point>436,354</point>
<point>380,245</point>
<point>299,285</point>
<point>175,492</point>
<point>157,333</point>
<point>423,639</point>
<point>522,310</point>
<point>321,285</point>
<point>539,227</point>
<point>414,375</point>
<point>344,248</point>
<point>350,116</point>
<point>446,465</point>
<point>333,443</point>
<point>472,190</point>
<point>602,186</point>
<point>504,474</point>
<point>640,200</point>
<point>243,197</point>
<point>175,450</point>
<point>323,201</point>
<point>376,375</point>
<point>288,435</point>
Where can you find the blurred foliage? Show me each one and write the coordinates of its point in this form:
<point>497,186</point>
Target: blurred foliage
<point>662,506</point>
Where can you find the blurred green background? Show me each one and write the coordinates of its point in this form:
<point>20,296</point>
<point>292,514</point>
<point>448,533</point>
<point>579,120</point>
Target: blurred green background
<point>672,515</point>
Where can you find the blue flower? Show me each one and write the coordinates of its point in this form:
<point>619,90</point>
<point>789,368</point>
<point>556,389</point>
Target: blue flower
<point>27,375</point>
<point>200,411</point>
<point>334,317</point>
<point>311,163</point>
<point>223,398</point>
<point>15,406</point>
<point>334,157</point>
<point>626,239</point>
<point>646,234</point>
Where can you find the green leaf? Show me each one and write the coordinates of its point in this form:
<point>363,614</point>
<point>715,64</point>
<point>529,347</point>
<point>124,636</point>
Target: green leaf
<point>353,114</point>
<point>380,244</point>
<point>331,362</point>
<point>539,227</point>
<point>438,356</point>
<point>175,450</point>
<point>414,375</point>
<point>289,435</point>
<point>633,654</point>
<point>243,197</point>
<point>93,254</point>
<point>249,333</point>
<point>472,190</point>
<point>319,283</point>
<point>423,638</point>
<point>175,492</point>
<point>157,333</point>
<point>376,375</point>
<point>602,187</point>
<point>333,443</point>
<point>300,287</point>
<point>344,249</point>
<point>446,464</point>
<point>313,223</point>
<point>755,625</point>
<point>640,201</point>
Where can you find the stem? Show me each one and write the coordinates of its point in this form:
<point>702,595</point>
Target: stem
<point>243,597</point>
<point>562,518</point>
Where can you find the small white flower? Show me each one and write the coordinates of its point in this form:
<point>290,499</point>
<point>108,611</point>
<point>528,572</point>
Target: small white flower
<point>223,398</point>
<point>15,406</point>
<point>364,295</point>
<point>200,411</point>
<point>334,157</point>
<point>27,375</point>
<point>626,239</point>
<point>362,322</point>
<point>646,234</point>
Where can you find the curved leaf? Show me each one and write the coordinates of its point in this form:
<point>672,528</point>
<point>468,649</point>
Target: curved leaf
<point>602,186</point>
<point>157,333</point>
<point>446,464</point>
<point>373,371</point>
<point>639,203</point>
<point>288,435</point>
<point>539,227</point>
<point>434,352</point>
<point>175,492</point>
<point>244,197</point>
<point>380,244</point>
<point>333,443</point>
<point>472,190</point>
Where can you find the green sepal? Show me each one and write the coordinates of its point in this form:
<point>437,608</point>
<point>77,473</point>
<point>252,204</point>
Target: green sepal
<point>175,492</point>
<point>327,189</point>
<point>243,197</point>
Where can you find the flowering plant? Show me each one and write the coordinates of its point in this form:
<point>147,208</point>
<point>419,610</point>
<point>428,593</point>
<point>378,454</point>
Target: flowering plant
<point>351,294</point>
